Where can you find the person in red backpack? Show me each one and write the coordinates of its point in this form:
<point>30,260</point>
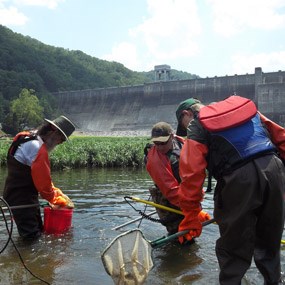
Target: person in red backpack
<point>29,174</point>
<point>243,150</point>
<point>162,164</point>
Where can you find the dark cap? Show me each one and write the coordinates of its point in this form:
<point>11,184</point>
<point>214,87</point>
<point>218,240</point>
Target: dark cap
<point>64,125</point>
<point>185,105</point>
<point>161,132</point>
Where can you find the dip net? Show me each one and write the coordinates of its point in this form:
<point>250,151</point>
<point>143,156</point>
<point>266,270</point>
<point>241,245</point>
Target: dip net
<point>128,258</point>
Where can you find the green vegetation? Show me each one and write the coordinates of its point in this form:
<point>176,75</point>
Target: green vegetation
<point>87,151</point>
<point>4,145</point>
<point>25,111</point>
<point>26,63</point>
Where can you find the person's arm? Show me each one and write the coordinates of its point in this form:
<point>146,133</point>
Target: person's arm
<point>159,168</point>
<point>193,173</point>
<point>193,165</point>
<point>40,170</point>
<point>277,134</point>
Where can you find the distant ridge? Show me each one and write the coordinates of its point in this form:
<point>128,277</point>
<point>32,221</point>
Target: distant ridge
<point>27,63</point>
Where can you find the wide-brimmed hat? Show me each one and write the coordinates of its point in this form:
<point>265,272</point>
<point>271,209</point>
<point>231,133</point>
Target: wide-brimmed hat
<point>64,125</point>
<point>161,132</point>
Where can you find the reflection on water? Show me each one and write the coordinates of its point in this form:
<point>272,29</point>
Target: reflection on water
<point>75,257</point>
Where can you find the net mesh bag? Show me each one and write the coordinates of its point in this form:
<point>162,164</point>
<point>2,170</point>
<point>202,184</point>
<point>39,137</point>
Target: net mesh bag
<point>128,258</point>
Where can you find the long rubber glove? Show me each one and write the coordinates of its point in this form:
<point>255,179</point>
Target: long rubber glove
<point>204,216</point>
<point>61,201</point>
<point>193,222</point>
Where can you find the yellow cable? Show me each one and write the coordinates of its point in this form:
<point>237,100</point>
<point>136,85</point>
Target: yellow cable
<point>164,207</point>
<point>155,205</point>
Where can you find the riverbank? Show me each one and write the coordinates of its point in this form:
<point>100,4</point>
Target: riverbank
<point>139,133</point>
<point>85,150</point>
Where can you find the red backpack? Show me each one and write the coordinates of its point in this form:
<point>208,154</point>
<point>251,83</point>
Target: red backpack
<point>231,112</point>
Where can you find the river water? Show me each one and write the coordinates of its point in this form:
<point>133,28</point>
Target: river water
<point>75,257</point>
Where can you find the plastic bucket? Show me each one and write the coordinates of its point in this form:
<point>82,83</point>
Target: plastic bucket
<point>57,221</point>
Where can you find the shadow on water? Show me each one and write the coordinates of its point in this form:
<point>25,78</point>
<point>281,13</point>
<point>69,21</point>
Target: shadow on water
<point>75,257</point>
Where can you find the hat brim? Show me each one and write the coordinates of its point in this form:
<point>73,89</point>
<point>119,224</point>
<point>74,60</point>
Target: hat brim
<point>160,139</point>
<point>181,131</point>
<point>52,123</point>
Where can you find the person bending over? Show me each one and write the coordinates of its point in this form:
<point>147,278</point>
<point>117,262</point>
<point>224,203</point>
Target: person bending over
<point>242,149</point>
<point>29,174</point>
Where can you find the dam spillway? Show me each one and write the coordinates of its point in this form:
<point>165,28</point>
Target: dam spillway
<point>135,109</point>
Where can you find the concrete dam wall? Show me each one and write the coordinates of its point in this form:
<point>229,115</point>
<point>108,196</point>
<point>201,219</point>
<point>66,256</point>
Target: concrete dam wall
<point>134,109</point>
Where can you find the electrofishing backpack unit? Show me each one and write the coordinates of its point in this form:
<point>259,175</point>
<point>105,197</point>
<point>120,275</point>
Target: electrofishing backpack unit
<point>231,112</point>
<point>236,134</point>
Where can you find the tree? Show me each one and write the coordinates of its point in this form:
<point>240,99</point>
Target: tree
<point>26,111</point>
<point>3,104</point>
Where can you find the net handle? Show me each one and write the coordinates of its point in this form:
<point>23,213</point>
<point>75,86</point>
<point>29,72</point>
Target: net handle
<point>162,241</point>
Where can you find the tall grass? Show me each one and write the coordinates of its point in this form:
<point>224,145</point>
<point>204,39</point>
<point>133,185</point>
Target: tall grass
<point>80,152</point>
<point>4,146</point>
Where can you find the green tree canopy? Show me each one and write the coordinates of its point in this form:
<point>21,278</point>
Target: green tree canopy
<point>26,111</point>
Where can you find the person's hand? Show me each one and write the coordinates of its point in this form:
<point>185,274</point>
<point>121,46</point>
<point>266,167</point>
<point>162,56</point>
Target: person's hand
<point>57,191</point>
<point>204,216</point>
<point>61,201</point>
<point>69,203</point>
<point>192,223</point>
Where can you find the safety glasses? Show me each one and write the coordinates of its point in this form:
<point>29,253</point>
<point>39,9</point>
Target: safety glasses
<point>162,143</point>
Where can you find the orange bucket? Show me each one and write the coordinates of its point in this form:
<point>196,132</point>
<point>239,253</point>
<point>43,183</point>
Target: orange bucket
<point>57,221</point>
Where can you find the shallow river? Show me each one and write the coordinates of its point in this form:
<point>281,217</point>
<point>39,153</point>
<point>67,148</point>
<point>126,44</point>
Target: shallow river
<point>75,257</point>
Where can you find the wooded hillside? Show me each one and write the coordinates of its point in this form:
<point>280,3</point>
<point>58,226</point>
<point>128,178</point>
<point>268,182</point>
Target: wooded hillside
<point>28,63</point>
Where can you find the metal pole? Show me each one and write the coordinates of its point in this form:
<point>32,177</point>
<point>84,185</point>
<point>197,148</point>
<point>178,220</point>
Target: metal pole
<point>24,206</point>
<point>155,205</point>
<point>132,221</point>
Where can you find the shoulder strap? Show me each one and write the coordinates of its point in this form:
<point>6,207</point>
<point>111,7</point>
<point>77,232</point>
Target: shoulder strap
<point>174,157</point>
<point>20,140</point>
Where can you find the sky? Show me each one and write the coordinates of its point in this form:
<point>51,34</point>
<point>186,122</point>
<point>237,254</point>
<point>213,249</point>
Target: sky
<point>203,37</point>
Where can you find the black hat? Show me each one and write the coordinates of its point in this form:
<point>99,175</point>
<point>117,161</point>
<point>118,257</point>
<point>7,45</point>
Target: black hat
<point>64,125</point>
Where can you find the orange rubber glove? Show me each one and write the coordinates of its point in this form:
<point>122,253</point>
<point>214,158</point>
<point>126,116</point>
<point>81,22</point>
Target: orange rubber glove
<point>204,216</point>
<point>61,201</point>
<point>192,223</point>
<point>69,204</point>
<point>56,190</point>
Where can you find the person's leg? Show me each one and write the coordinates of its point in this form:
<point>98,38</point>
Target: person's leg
<point>234,204</point>
<point>29,222</point>
<point>271,219</point>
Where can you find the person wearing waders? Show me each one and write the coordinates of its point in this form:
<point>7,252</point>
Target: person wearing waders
<point>162,164</point>
<point>29,174</point>
<point>243,150</point>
